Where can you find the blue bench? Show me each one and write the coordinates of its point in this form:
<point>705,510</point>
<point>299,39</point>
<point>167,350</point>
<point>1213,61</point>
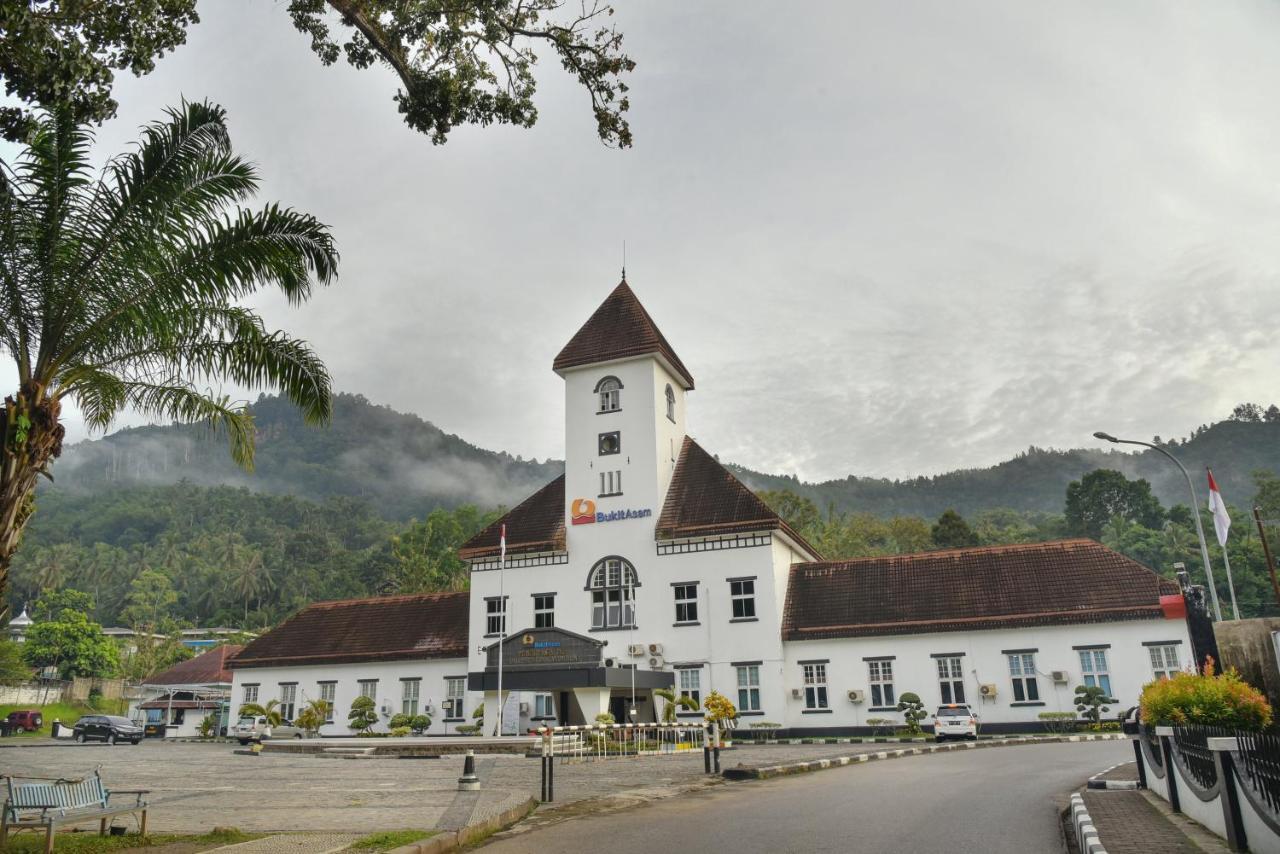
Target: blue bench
<point>47,804</point>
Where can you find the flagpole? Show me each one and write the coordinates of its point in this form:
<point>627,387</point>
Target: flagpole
<point>502,620</point>
<point>1222,527</point>
<point>1231,587</point>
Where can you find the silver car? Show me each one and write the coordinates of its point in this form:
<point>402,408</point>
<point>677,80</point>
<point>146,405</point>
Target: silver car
<point>258,728</point>
<point>955,720</point>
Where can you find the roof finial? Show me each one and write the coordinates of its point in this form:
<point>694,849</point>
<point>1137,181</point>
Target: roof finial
<point>624,259</point>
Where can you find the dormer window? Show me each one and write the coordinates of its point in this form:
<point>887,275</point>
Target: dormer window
<point>671,404</point>
<point>610,391</point>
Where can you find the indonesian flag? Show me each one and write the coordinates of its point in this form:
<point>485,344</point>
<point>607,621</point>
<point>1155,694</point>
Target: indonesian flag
<point>502,538</point>
<point>1218,507</point>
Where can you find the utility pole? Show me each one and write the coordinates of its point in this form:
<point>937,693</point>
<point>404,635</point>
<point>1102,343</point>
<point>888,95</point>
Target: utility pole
<point>1266,551</point>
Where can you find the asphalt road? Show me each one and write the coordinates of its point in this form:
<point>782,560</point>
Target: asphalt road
<point>996,800</point>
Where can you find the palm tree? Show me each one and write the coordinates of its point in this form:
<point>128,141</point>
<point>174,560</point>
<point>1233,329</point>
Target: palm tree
<point>121,291</point>
<point>269,711</point>
<point>673,703</point>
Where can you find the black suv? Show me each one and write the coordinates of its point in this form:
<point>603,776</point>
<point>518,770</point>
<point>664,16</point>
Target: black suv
<point>108,728</point>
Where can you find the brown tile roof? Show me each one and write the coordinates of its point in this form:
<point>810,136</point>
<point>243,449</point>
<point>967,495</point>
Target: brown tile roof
<point>208,668</point>
<point>384,628</point>
<point>534,525</point>
<point>1037,584</point>
<point>706,499</point>
<point>619,329</point>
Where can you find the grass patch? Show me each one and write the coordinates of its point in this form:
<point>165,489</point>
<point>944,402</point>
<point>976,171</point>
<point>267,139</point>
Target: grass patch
<point>388,840</point>
<point>68,713</point>
<point>91,842</point>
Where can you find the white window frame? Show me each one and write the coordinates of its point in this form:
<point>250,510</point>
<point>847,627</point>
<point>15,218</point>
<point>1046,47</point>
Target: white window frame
<point>815,685</point>
<point>689,684</point>
<point>410,692</point>
<point>1165,660</point>
<point>455,691</point>
<point>495,616</point>
<point>612,582</point>
<point>880,678</point>
<point>1022,675</point>
<point>951,679</point>
<point>610,483</point>
<point>1095,669</point>
<point>367,688</point>
<point>748,676</point>
<point>288,700</point>
<point>250,693</point>
<point>610,391</point>
<point>544,706</point>
<point>742,598</point>
<point>544,610</point>
<point>328,692</point>
<point>686,596</point>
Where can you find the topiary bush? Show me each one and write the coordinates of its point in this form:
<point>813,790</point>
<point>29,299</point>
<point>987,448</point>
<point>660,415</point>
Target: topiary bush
<point>912,708</point>
<point>401,720</point>
<point>1208,698</point>
<point>1091,701</point>
<point>420,724</point>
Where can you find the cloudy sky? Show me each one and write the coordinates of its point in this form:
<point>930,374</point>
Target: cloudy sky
<point>889,238</point>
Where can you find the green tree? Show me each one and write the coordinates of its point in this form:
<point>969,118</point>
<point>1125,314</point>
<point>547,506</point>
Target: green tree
<point>71,643</point>
<point>313,716</point>
<point>673,703</point>
<point>270,711</point>
<point>797,511</point>
<point>951,531</point>
<point>124,291</point>
<point>1103,494</point>
<point>459,62</point>
<point>14,670</point>
<point>150,600</point>
<point>426,553</point>
<point>913,711</point>
<point>363,714</point>
<point>1091,701</point>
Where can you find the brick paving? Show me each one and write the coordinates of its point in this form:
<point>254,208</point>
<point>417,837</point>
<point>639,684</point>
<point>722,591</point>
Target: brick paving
<point>1124,771</point>
<point>1128,824</point>
<point>292,843</point>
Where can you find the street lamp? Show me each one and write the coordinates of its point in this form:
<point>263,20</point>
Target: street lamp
<point>1195,510</point>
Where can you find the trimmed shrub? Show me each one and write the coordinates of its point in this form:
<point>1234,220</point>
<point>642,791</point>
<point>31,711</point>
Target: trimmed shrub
<point>399,731</point>
<point>913,712</point>
<point>1058,722</point>
<point>1222,699</point>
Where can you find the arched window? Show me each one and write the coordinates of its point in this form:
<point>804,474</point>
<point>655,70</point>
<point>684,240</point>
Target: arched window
<point>610,391</point>
<point>671,404</point>
<point>612,583</point>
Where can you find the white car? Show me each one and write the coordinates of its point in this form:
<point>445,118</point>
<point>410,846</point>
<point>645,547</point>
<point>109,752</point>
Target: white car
<point>249,729</point>
<point>955,720</point>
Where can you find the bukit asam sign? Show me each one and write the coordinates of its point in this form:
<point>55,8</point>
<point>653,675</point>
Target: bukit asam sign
<point>583,512</point>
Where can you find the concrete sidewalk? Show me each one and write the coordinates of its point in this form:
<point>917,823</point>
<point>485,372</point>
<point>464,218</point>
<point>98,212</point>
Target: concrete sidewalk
<point>1138,822</point>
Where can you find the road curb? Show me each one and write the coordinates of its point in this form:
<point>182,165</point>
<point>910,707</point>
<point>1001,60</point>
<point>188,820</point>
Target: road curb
<point>765,772</point>
<point>451,840</point>
<point>1086,835</point>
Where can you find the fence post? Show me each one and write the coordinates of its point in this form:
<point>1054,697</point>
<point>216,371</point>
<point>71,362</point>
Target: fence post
<point>1230,796</point>
<point>715,750</point>
<point>1165,734</point>
<point>1142,766</point>
<point>706,747</point>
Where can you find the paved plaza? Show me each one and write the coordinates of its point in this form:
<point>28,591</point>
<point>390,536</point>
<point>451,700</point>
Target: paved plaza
<point>197,786</point>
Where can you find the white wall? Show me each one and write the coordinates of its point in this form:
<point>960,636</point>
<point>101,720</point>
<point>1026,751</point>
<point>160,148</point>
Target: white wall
<point>984,662</point>
<point>431,690</point>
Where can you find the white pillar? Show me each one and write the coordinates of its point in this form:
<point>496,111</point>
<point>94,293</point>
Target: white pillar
<point>592,702</point>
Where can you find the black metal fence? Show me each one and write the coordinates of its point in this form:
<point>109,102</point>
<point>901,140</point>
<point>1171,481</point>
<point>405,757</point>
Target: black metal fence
<point>1192,744</point>
<point>1260,757</point>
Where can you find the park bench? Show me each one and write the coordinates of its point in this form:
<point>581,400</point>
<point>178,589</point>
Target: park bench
<point>35,803</point>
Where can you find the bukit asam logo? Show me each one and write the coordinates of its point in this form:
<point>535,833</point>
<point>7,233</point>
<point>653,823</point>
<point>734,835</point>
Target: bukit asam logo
<point>583,512</point>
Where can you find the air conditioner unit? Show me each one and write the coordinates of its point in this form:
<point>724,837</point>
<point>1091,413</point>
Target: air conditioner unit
<point>857,695</point>
<point>988,690</point>
<point>524,708</point>
<point>655,661</point>
<point>797,693</point>
<point>428,709</point>
<point>1059,676</point>
<point>611,662</point>
<point>655,649</point>
<point>636,649</point>
<point>386,711</point>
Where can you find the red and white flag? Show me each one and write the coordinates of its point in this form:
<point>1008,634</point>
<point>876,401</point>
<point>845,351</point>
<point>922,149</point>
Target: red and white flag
<point>1218,507</point>
<point>502,538</point>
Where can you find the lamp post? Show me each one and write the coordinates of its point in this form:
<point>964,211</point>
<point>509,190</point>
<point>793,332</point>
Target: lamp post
<point>1195,511</point>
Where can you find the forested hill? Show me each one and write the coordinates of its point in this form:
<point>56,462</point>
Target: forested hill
<point>1037,480</point>
<point>402,465</point>
<point>405,466</point>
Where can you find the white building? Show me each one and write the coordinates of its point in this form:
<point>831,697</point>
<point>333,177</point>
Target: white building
<point>648,564</point>
<point>175,702</point>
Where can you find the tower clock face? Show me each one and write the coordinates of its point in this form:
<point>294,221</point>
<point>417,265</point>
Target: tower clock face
<point>610,443</point>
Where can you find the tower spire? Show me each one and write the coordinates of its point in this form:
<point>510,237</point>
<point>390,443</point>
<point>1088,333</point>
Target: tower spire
<point>624,260</point>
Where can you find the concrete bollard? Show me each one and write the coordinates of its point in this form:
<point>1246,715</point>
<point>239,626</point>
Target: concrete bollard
<point>469,782</point>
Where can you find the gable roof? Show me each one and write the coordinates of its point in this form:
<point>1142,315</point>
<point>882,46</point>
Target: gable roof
<point>1035,584</point>
<point>619,329</point>
<point>384,628</point>
<point>208,668</point>
<point>534,525</point>
<point>705,498</point>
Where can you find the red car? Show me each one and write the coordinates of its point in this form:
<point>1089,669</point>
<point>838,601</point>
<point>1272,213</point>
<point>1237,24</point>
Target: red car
<point>25,719</point>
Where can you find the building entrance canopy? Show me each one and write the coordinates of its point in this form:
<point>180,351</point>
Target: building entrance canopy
<point>547,660</point>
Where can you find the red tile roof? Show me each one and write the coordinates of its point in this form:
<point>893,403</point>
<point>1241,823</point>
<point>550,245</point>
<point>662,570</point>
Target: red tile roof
<point>706,499</point>
<point>619,329</point>
<point>208,668</point>
<point>534,525</point>
<point>1037,584</point>
<point>384,628</point>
